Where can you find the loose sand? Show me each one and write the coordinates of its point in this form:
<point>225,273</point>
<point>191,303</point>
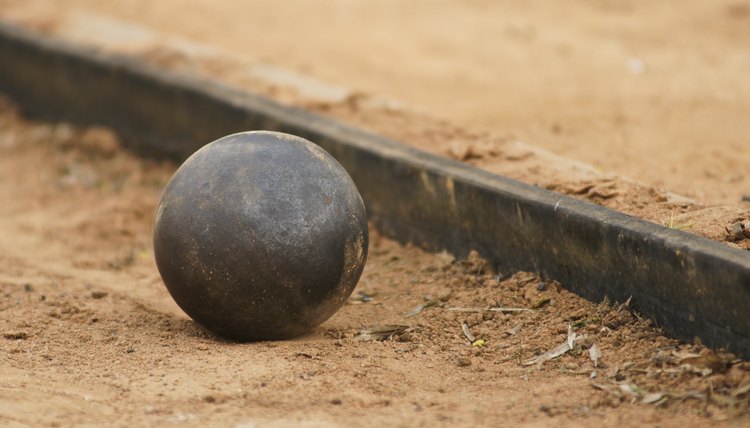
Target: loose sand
<point>91,337</point>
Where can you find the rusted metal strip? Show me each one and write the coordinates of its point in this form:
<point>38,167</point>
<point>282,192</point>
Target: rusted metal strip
<point>691,286</point>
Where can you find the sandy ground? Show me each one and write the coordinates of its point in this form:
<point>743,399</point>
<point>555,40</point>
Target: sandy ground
<point>712,176</point>
<point>90,337</point>
<point>645,89</point>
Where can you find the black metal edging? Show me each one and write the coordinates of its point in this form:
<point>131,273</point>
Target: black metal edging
<point>691,286</point>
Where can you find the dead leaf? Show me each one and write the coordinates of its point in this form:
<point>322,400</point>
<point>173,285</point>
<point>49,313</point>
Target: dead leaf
<point>569,344</point>
<point>742,390</point>
<point>514,330</point>
<point>682,355</point>
<point>541,302</point>
<point>419,308</point>
<point>360,298</point>
<point>467,332</point>
<point>381,332</point>
<point>706,363</point>
<point>657,398</point>
<point>630,389</point>
<point>595,354</point>
<point>571,337</point>
<point>610,389</point>
<point>498,309</point>
<point>15,335</point>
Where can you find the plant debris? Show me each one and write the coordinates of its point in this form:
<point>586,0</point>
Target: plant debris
<point>706,363</point>
<point>381,332</point>
<point>16,335</point>
<point>491,309</point>
<point>677,226</point>
<point>419,308</point>
<point>360,298</point>
<point>656,398</point>
<point>555,352</point>
<point>595,354</point>
<point>541,302</point>
<point>467,333</point>
<point>514,330</point>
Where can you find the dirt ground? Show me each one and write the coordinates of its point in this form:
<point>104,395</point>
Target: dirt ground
<point>601,95</point>
<point>643,89</point>
<point>91,337</point>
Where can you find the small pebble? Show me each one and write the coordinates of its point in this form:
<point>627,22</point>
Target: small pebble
<point>739,230</point>
<point>463,361</point>
<point>98,294</point>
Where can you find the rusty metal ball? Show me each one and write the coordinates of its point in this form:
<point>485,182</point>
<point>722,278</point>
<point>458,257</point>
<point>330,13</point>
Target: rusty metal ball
<point>260,235</point>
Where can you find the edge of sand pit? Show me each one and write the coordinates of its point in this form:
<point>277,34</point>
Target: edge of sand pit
<point>691,286</point>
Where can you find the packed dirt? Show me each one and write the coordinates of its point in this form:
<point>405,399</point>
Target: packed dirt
<point>644,89</point>
<point>89,335</point>
<point>627,89</point>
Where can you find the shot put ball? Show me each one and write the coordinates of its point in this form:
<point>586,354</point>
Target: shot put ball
<point>260,235</point>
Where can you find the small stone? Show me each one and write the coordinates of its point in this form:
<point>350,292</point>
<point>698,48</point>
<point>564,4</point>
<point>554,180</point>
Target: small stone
<point>98,294</point>
<point>541,286</point>
<point>209,398</point>
<point>336,401</point>
<point>739,230</point>
<point>463,361</point>
<point>28,288</point>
